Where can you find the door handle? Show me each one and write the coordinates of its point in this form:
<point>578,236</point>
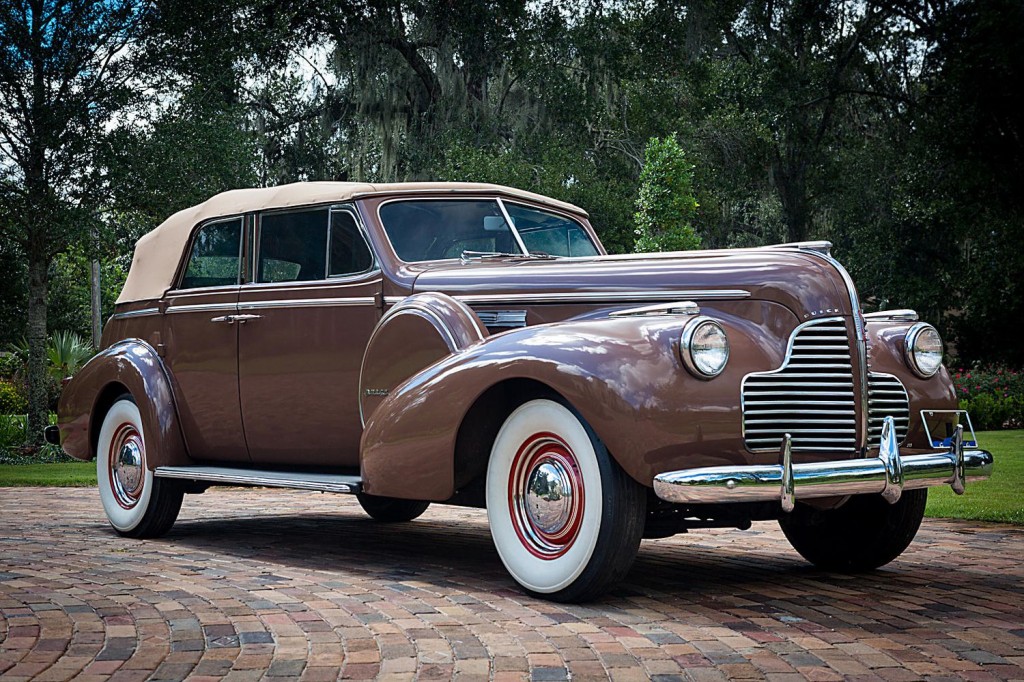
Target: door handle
<point>231,319</point>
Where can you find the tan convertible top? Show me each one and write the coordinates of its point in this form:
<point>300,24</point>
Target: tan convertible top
<point>158,253</point>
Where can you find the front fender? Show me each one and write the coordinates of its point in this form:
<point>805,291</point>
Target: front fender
<point>623,375</point>
<point>131,365</point>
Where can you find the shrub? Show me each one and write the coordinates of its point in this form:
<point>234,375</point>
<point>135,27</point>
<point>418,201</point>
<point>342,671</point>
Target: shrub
<point>10,366</point>
<point>11,399</point>
<point>992,380</point>
<point>665,202</point>
<point>989,412</point>
<point>12,431</point>
<point>993,395</point>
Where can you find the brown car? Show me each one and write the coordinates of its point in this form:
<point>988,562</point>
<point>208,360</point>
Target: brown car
<point>475,345</point>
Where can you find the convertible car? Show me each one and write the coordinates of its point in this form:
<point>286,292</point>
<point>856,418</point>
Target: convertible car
<point>475,345</point>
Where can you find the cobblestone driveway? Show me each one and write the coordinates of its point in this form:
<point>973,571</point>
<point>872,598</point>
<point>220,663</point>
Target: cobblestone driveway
<point>288,584</point>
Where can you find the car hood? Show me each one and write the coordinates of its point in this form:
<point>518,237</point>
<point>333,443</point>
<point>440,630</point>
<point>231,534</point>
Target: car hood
<point>807,283</point>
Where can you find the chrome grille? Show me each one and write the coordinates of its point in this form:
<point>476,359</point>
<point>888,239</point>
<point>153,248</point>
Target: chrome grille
<point>811,397</point>
<point>886,398</point>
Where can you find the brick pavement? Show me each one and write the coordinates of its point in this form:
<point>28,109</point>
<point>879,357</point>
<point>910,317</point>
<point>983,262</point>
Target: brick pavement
<point>283,584</point>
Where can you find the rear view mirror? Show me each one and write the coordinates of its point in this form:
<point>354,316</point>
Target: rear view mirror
<point>495,223</point>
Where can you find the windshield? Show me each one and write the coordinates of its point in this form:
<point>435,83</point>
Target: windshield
<point>422,230</point>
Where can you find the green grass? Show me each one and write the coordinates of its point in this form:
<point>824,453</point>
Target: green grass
<point>62,474</point>
<point>1001,498</point>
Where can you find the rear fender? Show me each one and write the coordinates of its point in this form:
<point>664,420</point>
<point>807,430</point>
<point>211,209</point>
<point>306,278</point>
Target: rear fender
<point>623,375</point>
<point>131,366</point>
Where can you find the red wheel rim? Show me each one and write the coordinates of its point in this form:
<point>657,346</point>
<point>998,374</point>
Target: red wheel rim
<point>546,496</point>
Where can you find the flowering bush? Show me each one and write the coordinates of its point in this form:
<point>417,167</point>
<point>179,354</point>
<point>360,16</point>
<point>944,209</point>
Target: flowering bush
<point>998,382</point>
<point>993,395</point>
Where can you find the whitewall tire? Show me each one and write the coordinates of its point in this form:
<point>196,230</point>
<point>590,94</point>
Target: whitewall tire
<point>137,504</point>
<point>565,519</point>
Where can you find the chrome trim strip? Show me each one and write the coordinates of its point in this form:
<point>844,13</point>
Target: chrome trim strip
<point>142,312</point>
<point>336,281</point>
<point>902,315</point>
<point>202,307</point>
<point>594,296</point>
<point>331,483</point>
<point>679,308</point>
<point>306,303</point>
<point>887,474</point>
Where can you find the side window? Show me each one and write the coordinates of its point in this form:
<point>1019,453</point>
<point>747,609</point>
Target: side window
<point>215,255</point>
<point>544,232</point>
<point>293,246</point>
<point>349,254</point>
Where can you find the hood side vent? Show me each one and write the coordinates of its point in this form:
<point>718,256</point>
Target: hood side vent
<point>502,319</point>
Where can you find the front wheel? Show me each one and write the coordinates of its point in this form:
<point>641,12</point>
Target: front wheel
<point>863,534</point>
<point>565,518</point>
<point>138,504</point>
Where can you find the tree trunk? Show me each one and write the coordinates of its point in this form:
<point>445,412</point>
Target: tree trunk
<point>38,402</point>
<point>96,306</point>
<point>791,183</point>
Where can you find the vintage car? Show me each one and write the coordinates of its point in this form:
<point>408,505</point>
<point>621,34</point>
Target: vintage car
<point>475,345</point>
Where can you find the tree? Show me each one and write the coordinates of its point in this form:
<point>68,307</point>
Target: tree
<point>65,74</point>
<point>665,203</point>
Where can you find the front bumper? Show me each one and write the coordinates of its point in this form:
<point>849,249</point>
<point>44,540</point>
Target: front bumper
<point>888,474</point>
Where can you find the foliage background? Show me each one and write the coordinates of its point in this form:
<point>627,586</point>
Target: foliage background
<point>893,129</point>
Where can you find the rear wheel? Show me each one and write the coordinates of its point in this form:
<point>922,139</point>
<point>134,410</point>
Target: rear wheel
<point>391,509</point>
<point>863,534</point>
<point>565,518</point>
<point>138,505</point>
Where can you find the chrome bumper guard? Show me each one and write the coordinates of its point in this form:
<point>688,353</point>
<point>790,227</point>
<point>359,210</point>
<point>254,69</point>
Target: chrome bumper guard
<point>888,474</point>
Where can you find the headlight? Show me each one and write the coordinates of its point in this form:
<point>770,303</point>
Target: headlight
<point>924,350</point>
<point>704,348</point>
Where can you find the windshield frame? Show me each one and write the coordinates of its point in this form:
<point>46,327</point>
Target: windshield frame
<point>525,255</point>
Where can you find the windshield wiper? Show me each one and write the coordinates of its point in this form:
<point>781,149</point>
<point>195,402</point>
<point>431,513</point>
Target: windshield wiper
<point>468,256</point>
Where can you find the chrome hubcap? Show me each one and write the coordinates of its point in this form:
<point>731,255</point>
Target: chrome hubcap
<point>549,497</point>
<point>127,466</point>
<point>546,496</point>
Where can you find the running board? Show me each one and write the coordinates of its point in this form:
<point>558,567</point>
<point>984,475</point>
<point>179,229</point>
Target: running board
<point>328,483</point>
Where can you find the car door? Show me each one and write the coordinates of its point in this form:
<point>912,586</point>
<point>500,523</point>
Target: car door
<point>200,342</point>
<point>312,306</point>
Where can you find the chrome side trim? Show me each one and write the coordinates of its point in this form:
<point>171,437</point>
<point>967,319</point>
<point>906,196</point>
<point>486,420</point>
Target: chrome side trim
<point>330,483</point>
<point>142,312</point>
<point>306,303</point>
<point>903,315</point>
<point>888,475</point>
<point>679,308</point>
<point>596,296</point>
<point>202,307</point>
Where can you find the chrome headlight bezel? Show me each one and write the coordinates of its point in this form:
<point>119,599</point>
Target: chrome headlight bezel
<point>688,353</point>
<point>911,351</point>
